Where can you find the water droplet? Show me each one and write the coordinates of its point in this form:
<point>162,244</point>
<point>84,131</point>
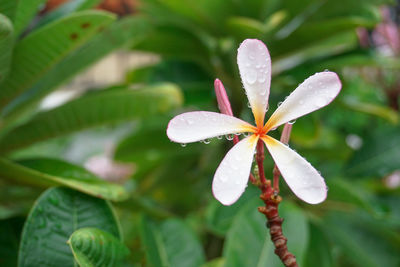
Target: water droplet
<point>280,103</point>
<point>292,122</point>
<point>223,178</point>
<point>206,141</point>
<point>320,102</point>
<point>273,129</point>
<point>251,76</point>
<point>183,145</point>
<point>248,105</point>
<point>219,137</point>
<point>229,137</point>
<point>246,134</point>
<point>326,70</point>
<point>262,79</point>
<point>252,56</point>
<point>238,134</point>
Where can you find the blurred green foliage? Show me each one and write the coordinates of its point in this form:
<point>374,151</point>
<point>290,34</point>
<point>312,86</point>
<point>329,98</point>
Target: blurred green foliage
<point>166,210</point>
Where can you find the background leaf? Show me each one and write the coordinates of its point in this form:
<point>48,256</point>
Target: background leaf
<point>48,172</point>
<point>96,109</point>
<point>36,54</point>
<point>56,215</point>
<point>6,45</point>
<point>170,244</point>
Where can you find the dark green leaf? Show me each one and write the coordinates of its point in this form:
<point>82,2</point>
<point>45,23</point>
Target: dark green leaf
<point>10,232</point>
<point>56,215</point>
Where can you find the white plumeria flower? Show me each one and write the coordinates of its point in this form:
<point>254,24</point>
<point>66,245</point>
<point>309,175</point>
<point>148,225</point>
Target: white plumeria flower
<point>232,175</point>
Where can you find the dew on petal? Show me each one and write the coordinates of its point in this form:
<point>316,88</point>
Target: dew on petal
<point>219,137</point>
<point>207,141</point>
<point>262,79</point>
<point>229,137</point>
<point>251,76</point>
<point>292,122</point>
<point>183,145</point>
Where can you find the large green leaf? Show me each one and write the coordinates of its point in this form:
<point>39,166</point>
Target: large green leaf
<point>93,247</point>
<point>6,45</point>
<point>48,172</point>
<point>25,11</point>
<point>96,109</point>
<point>170,244</point>
<point>248,242</point>
<point>379,155</point>
<point>124,32</point>
<point>56,215</point>
<point>36,54</point>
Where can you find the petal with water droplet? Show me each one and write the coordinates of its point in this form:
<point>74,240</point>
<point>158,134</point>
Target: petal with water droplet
<point>255,70</point>
<point>200,125</point>
<point>314,93</point>
<point>302,178</point>
<point>236,166</point>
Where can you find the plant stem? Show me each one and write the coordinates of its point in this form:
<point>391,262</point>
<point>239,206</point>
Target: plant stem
<point>271,199</point>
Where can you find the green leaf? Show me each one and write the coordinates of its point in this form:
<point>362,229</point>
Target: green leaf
<point>170,244</point>
<point>8,8</point>
<point>124,32</point>
<point>379,155</point>
<point>97,109</point>
<point>56,215</point>
<point>319,250</point>
<point>10,232</point>
<point>65,9</point>
<point>6,45</point>
<point>48,172</point>
<point>93,247</point>
<point>372,109</point>
<point>248,241</point>
<point>362,240</point>
<point>36,54</point>
<point>26,10</point>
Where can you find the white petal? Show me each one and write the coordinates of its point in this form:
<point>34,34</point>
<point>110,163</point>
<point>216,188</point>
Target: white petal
<point>305,181</point>
<point>230,179</point>
<point>314,93</point>
<point>200,125</point>
<point>255,70</point>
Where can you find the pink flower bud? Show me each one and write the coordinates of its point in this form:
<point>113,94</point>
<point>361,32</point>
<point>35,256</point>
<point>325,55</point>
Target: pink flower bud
<point>223,101</point>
